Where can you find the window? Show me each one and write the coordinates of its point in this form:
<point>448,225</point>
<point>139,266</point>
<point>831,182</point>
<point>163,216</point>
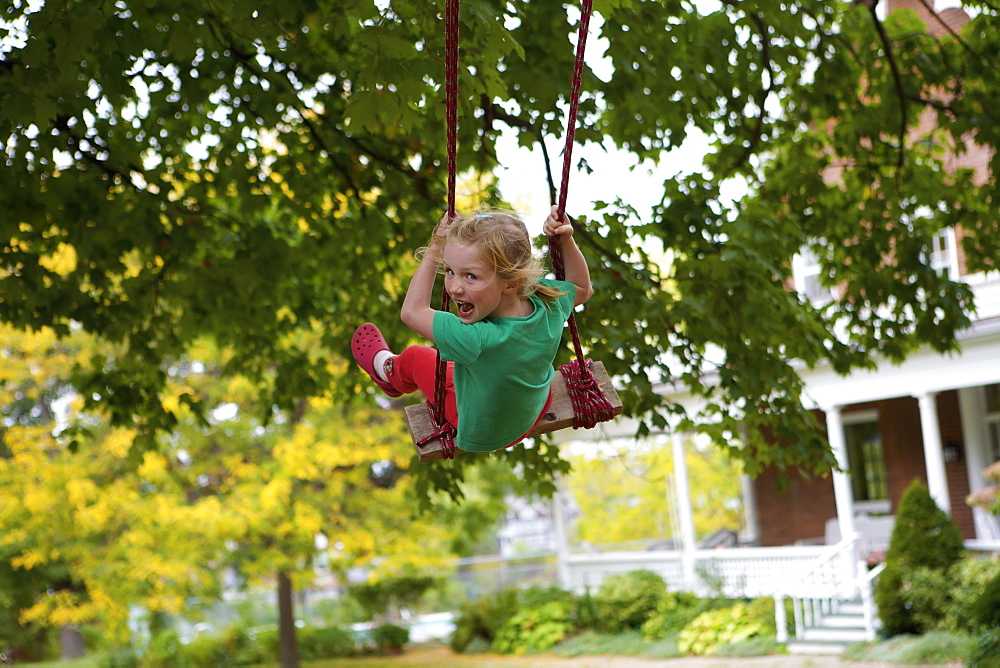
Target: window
<point>866,460</point>
<point>807,278</point>
<point>992,393</point>
<point>942,254</point>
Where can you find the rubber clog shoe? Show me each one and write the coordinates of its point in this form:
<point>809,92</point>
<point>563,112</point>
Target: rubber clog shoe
<point>365,343</point>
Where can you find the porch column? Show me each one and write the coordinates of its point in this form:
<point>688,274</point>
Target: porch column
<point>684,512</point>
<point>937,481</point>
<point>751,524</point>
<point>562,544</point>
<point>842,492</point>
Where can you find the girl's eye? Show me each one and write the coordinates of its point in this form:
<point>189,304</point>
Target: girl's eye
<point>471,277</point>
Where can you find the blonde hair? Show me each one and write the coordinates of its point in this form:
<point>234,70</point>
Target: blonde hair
<point>503,242</point>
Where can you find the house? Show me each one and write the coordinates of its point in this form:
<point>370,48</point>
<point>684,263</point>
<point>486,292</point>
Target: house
<point>935,417</point>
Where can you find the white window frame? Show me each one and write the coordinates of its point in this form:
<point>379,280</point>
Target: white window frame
<point>944,259</point>
<point>992,423</point>
<point>874,506</point>
<point>805,272</point>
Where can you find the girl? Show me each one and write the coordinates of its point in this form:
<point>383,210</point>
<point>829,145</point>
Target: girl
<point>501,343</point>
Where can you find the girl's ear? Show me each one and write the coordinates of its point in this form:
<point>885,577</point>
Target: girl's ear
<point>513,287</point>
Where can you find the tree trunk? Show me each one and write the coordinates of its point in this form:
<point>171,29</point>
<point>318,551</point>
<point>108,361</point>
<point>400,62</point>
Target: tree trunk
<point>288,653</point>
<point>71,644</point>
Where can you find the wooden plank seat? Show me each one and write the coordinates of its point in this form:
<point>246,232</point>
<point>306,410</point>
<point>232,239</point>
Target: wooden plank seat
<point>559,415</point>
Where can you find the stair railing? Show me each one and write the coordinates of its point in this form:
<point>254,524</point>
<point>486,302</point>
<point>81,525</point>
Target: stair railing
<point>812,594</point>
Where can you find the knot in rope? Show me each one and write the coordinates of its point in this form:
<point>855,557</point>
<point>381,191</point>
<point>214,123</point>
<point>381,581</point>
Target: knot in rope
<point>445,431</point>
<point>590,406</point>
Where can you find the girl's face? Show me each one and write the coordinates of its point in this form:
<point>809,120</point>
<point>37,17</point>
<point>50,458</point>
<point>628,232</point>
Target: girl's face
<point>474,286</point>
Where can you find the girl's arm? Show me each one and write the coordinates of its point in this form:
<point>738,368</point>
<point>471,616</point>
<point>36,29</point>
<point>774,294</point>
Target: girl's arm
<point>417,313</point>
<point>574,264</point>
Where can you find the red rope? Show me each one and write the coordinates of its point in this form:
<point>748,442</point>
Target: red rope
<point>590,406</point>
<point>446,431</point>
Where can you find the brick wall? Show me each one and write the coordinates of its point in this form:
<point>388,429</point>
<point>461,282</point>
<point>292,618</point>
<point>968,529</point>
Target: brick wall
<point>800,511</point>
<point>956,472</point>
<point>972,156</point>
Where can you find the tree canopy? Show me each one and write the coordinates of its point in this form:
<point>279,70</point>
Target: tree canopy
<point>89,533</point>
<point>246,173</point>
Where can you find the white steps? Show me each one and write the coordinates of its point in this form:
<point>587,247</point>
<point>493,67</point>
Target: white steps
<point>832,633</point>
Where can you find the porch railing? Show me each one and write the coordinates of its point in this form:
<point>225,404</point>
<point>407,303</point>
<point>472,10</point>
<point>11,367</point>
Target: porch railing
<point>730,572</point>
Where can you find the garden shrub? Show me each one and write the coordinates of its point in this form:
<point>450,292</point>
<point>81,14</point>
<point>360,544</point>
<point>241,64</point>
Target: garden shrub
<point>483,617</point>
<point>380,597</point>
<point>985,652</point>
<point>926,595</point>
<point>534,597</point>
<point>390,637</point>
<point>161,652</point>
<point>892,611</point>
<point>269,642</point>
<point>674,611</point>
<point>202,652</point>
<point>971,578</point>
<point>717,628</point>
<point>242,648</point>
<point>323,642</point>
<point>534,629</point>
<point>626,600</point>
<point>923,537</point>
<point>341,611</point>
<point>986,609</point>
<point>586,611</point>
<point>923,534</point>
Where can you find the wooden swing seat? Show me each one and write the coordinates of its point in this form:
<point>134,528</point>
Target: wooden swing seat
<point>559,415</point>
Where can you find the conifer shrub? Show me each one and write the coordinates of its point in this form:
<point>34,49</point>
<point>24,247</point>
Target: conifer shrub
<point>923,537</point>
<point>626,600</point>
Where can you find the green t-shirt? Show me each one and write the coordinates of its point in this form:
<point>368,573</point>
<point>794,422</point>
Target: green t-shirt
<point>503,367</point>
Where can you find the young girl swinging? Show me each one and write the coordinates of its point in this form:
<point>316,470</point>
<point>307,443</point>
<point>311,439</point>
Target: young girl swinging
<point>502,342</point>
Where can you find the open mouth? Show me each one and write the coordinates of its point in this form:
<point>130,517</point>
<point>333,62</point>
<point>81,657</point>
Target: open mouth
<point>465,309</point>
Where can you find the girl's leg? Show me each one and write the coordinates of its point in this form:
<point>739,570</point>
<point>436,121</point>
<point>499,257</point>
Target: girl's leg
<point>416,369</point>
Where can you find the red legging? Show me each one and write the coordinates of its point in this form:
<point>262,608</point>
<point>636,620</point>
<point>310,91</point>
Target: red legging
<point>416,369</point>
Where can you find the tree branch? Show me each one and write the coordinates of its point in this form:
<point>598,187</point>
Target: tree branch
<point>765,91</point>
<point>937,17</point>
<point>898,80</point>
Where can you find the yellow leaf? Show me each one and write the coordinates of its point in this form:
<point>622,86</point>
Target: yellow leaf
<point>62,261</point>
<point>81,491</point>
<point>275,493</point>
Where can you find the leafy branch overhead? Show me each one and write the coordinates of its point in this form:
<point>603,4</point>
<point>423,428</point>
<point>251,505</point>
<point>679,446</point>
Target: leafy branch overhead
<point>257,176</point>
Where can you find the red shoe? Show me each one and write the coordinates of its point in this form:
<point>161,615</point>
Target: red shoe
<point>367,341</point>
